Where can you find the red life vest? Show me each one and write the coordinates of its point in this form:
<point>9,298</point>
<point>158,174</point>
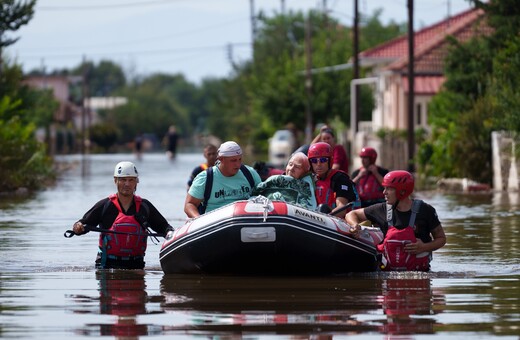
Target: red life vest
<point>121,244</point>
<point>324,192</point>
<point>369,188</point>
<point>394,256</point>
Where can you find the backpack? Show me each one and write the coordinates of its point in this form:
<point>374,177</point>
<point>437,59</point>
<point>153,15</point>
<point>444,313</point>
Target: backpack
<point>209,184</point>
<point>394,256</point>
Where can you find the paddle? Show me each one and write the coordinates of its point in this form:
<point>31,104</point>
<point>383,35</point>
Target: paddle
<point>71,233</point>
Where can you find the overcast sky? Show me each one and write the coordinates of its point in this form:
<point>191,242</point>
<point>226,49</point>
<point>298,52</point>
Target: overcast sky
<point>176,36</point>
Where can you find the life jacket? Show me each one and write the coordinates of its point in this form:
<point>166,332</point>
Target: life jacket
<point>325,191</point>
<point>394,256</point>
<point>369,188</point>
<point>124,245</point>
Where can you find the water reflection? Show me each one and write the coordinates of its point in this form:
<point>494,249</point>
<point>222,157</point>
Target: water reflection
<point>303,306</point>
<point>49,289</point>
<point>122,294</point>
<point>406,302</point>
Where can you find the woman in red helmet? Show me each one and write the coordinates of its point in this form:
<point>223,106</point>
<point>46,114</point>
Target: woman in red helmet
<point>401,211</point>
<point>333,187</point>
<point>369,178</point>
<point>339,154</point>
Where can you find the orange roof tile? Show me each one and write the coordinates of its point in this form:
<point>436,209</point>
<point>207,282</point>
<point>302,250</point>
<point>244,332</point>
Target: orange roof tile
<point>430,44</point>
<point>425,85</point>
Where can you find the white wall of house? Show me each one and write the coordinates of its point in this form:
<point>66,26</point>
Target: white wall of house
<point>391,111</point>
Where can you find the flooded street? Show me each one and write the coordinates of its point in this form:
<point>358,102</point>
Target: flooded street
<point>50,290</point>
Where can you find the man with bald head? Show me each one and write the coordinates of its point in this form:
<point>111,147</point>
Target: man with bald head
<point>295,186</point>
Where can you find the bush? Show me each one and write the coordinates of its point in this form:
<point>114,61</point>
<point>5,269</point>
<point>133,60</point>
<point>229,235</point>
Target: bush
<point>23,160</point>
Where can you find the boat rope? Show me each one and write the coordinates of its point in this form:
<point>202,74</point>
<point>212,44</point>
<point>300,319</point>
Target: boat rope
<point>265,202</point>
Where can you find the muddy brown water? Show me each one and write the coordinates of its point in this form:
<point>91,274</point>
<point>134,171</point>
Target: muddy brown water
<point>49,288</point>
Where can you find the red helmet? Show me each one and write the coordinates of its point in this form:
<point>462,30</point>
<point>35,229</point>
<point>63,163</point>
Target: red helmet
<point>319,149</point>
<point>370,153</point>
<point>402,181</point>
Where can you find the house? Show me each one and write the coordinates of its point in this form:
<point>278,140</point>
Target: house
<point>60,135</point>
<point>389,71</point>
<point>70,119</point>
<point>60,86</point>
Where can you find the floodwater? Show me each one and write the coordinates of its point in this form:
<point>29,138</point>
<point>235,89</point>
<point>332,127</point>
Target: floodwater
<point>49,288</point>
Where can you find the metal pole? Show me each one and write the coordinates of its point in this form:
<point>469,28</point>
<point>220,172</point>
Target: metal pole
<point>411,89</point>
<point>253,21</point>
<point>308,81</point>
<point>355,96</point>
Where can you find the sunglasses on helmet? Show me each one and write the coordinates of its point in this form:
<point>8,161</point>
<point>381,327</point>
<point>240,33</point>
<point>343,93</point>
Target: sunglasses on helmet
<point>321,160</point>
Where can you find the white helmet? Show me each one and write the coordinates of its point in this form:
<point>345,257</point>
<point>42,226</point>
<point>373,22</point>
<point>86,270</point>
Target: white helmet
<point>125,169</point>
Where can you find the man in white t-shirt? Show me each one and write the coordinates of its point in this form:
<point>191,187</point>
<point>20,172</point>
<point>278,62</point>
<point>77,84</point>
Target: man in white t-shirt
<point>231,181</point>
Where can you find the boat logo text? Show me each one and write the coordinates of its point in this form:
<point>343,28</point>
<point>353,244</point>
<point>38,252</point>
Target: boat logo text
<point>305,214</point>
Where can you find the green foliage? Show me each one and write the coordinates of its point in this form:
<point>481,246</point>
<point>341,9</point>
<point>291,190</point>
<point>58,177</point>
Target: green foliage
<point>505,87</point>
<point>153,105</point>
<point>481,95</point>
<point>34,106</point>
<point>280,63</point>
<point>472,142</point>
<point>468,66</point>
<point>104,135</point>
<point>103,79</point>
<point>23,161</point>
<point>263,95</point>
<point>13,15</point>
<point>373,33</point>
<point>278,75</point>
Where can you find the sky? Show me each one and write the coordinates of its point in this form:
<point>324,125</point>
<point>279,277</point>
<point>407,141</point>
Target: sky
<point>191,37</point>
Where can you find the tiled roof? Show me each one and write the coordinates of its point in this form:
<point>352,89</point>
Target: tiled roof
<point>425,85</point>
<point>430,44</point>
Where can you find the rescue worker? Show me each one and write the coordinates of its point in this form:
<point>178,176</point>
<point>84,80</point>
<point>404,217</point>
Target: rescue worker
<point>369,177</point>
<point>333,187</point>
<point>397,214</point>
<point>128,218</point>
<point>210,153</point>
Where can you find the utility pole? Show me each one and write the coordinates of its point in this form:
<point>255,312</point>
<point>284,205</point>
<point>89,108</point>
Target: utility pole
<point>355,76</point>
<point>253,22</point>
<point>411,89</point>
<point>84,108</point>
<point>308,80</point>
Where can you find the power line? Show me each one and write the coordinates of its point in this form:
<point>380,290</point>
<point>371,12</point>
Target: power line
<point>102,7</point>
<point>141,52</point>
<point>133,42</point>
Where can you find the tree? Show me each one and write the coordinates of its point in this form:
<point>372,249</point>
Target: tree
<point>103,79</point>
<point>480,96</point>
<point>273,83</point>
<point>154,104</point>
<point>13,15</point>
<point>23,160</point>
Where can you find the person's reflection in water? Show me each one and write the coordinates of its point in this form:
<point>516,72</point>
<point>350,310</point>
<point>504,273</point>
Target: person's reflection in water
<point>122,293</point>
<point>404,298</point>
<point>297,309</point>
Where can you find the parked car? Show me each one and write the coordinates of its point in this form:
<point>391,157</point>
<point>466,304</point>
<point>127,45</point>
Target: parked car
<point>281,146</point>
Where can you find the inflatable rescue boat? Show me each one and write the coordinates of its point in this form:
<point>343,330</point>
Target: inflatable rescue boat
<point>263,237</point>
